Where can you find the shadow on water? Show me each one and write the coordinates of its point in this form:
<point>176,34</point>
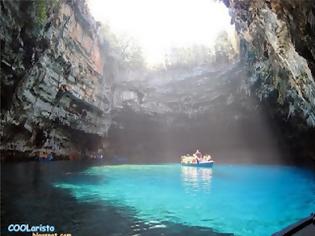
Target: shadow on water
<point>28,196</point>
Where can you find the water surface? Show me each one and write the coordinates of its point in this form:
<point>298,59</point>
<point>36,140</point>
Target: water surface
<point>238,199</point>
<point>29,196</point>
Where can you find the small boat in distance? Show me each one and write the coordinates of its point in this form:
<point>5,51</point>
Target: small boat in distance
<point>42,154</point>
<point>193,160</point>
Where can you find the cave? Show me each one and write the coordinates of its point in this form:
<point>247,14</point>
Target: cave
<point>112,107</point>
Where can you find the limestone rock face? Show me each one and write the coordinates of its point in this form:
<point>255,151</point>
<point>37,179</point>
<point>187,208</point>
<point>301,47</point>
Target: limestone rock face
<point>54,89</point>
<point>61,90</point>
<point>277,45</point>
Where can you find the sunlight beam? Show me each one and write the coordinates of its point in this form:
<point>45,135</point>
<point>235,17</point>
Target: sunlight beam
<point>161,24</point>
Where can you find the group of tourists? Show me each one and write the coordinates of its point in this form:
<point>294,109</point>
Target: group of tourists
<point>197,158</point>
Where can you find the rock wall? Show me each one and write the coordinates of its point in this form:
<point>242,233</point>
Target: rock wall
<point>277,45</point>
<point>54,89</point>
<point>60,89</point>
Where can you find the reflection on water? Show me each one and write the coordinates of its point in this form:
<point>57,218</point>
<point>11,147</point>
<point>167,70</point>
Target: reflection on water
<point>28,196</point>
<point>225,201</point>
<point>196,178</point>
<point>156,199</point>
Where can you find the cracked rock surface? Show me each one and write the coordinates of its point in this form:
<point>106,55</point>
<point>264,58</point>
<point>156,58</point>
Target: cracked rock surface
<point>54,91</point>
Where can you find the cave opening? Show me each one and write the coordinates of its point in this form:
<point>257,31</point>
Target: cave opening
<point>188,72</point>
<point>97,112</point>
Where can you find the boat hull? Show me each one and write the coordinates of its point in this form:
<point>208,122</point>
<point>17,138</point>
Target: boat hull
<point>205,164</point>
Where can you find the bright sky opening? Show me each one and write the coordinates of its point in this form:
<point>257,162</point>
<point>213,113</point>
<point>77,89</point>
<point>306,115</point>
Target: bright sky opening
<point>158,25</point>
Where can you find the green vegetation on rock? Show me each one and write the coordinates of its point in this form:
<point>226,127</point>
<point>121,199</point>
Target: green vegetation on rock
<point>41,11</point>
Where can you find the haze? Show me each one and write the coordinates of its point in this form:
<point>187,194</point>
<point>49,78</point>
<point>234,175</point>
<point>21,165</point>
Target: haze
<point>160,25</point>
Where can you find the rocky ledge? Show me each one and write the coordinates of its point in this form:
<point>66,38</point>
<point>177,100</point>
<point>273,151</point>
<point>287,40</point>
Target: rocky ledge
<point>54,88</point>
<point>277,46</point>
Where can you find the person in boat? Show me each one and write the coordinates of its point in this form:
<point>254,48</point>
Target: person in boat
<point>198,156</point>
<point>209,158</point>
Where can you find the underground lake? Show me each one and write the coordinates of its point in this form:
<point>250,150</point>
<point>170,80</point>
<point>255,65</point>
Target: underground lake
<point>157,199</point>
<point>157,117</point>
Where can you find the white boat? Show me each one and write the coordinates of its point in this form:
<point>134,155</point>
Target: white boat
<point>193,161</point>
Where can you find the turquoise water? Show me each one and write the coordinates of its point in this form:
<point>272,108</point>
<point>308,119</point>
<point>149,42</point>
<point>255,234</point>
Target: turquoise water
<point>239,199</point>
